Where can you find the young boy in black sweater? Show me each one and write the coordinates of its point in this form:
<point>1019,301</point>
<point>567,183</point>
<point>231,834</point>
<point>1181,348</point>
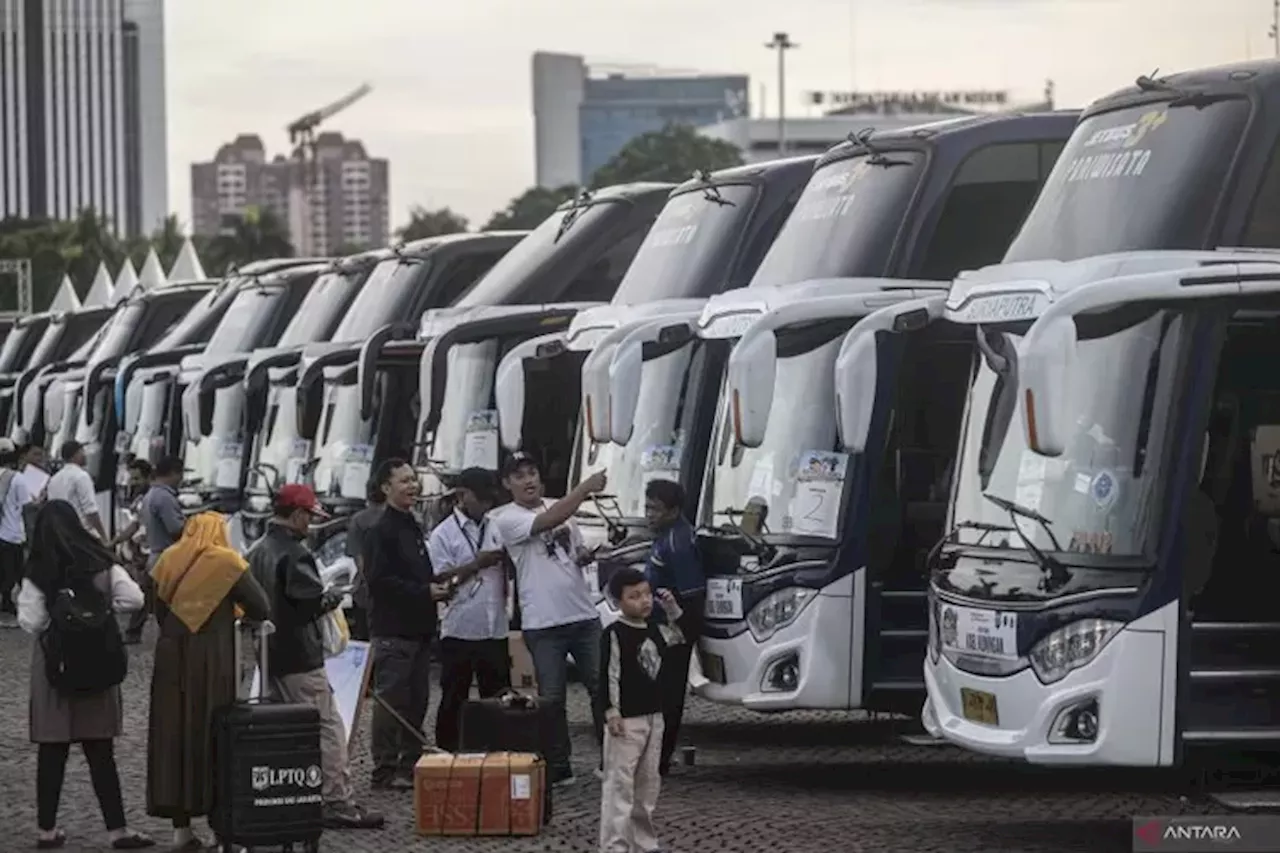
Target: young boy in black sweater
<point>631,652</point>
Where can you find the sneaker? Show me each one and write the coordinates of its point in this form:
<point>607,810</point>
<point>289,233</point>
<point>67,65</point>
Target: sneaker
<point>391,783</point>
<point>350,816</point>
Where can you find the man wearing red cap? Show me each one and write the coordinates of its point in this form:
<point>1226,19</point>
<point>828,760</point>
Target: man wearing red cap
<point>286,569</point>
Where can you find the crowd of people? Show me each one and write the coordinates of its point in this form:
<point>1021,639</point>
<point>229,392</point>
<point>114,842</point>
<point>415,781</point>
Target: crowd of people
<point>487,560</point>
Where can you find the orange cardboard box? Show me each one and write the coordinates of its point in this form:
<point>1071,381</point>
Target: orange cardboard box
<point>522,673</point>
<point>528,782</point>
<point>462,807</point>
<point>496,794</point>
<point>431,791</point>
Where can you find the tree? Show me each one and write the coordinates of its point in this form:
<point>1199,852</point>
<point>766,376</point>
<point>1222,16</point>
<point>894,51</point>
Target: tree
<point>671,154</point>
<point>530,208</point>
<point>425,223</point>
<point>255,235</point>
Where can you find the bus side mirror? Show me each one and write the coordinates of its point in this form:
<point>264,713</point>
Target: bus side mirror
<point>751,373</point>
<point>1046,374</point>
<point>855,379</point>
<point>596,393</point>
<point>508,393</point>
<point>625,371</point>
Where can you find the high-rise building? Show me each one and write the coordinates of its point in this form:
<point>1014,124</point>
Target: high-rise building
<point>340,199</point>
<point>583,115</point>
<point>82,111</point>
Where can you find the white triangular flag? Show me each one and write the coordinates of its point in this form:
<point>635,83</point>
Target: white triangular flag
<point>186,267</point>
<point>65,299</point>
<point>152,275</point>
<point>99,294</point>
<point>126,281</point>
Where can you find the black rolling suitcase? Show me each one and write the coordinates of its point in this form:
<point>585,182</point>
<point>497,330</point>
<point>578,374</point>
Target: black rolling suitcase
<point>510,722</point>
<point>267,778</point>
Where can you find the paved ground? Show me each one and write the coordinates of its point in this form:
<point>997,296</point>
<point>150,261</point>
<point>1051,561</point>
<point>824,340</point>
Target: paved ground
<point>782,784</point>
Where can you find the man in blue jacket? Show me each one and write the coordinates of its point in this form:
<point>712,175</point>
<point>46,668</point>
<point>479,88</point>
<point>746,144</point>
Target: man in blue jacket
<point>674,564</point>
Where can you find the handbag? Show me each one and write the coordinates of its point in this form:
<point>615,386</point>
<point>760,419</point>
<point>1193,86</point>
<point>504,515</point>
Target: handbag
<point>336,633</point>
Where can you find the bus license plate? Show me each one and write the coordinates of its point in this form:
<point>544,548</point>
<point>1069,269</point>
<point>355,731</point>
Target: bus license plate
<point>979,706</point>
<point>712,667</point>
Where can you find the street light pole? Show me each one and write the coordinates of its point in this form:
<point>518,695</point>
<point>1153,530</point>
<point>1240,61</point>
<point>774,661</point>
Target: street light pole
<point>782,43</point>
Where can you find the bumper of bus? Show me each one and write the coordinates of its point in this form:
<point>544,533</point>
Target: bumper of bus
<point>1039,723</point>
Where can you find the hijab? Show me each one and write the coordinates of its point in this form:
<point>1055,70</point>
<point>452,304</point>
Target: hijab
<point>62,550</point>
<point>194,574</point>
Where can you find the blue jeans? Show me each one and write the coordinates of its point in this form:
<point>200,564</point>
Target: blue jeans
<point>550,648</point>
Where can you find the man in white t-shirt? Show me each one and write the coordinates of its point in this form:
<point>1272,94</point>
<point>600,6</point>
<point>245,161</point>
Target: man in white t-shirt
<point>73,484</point>
<point>558,617</point>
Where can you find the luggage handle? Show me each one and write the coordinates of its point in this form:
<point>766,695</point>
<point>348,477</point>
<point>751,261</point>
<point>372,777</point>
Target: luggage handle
<point>427,747</point>
<point>264,630</point>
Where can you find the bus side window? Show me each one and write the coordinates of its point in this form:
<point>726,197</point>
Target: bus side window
<point>992,193</point>
<point>1263,229</point>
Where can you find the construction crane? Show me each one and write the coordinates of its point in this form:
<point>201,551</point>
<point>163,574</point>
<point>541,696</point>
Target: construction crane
<point>302,132</point>
<point>302,139</point>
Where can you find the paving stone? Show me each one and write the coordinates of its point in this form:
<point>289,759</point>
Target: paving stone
<point>784,783</point>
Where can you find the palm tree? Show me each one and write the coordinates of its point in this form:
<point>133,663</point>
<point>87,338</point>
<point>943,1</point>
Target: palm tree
<point>255,235</point>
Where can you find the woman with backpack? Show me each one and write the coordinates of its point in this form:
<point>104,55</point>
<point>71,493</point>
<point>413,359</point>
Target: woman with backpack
<point>69,600</point>
<point>201,586</point>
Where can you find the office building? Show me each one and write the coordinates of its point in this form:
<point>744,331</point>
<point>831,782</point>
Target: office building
<point>339,200</point>
<point>583,115</point>
<point>82,111</point>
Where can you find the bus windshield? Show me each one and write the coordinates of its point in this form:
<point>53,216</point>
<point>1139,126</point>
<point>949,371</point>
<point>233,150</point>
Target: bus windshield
<point>844,222</point>
<point>1101,494</point>
<point>242,325</point>
<point>565,231</point>
<point>382,297</point>
<point>1145,177</point>
<point>685,254</point>
<point>319,311</point>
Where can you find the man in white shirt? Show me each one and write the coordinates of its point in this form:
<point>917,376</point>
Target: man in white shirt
<point>558,616</point>
<point>473,633</point>
<point>14,495</point>
<point>73,484</point>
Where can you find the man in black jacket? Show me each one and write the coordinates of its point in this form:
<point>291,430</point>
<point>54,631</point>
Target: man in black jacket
<point>284,567</point>
<point>402,622</point>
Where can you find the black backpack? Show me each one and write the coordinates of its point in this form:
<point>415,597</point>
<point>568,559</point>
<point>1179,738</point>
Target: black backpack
<point>83,648</point>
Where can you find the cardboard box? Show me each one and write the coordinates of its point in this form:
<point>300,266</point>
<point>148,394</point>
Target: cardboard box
<point>523,676</point>
<point>495,794</point>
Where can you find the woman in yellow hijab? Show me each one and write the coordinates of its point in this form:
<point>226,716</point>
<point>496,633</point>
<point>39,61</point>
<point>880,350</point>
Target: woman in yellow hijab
<point>201,588</point>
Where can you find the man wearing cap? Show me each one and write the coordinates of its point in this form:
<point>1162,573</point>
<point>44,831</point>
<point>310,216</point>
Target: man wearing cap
<point>474,629</point>
<point>14,496</point>
<point>558,617</point>
<point>281,563</point>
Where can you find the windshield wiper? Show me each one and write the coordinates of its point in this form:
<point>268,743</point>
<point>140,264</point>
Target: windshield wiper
<point>760,548</point>
<point>954,532</point>
<point>711,192</point>
<point>1181,97</point>
<point>616,530</point>
<point>402,258</point>
<point>1056,571</point>
<point>571,215</point>
<point>874,157</point>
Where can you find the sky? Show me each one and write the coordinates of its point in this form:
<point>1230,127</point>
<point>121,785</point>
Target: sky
<point>451,106</point>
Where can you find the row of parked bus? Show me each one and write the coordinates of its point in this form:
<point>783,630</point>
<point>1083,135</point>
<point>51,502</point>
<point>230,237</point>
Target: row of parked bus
<point>975,417</point>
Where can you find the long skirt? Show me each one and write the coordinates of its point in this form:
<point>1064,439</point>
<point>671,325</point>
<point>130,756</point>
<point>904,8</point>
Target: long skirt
<point>195,674</point>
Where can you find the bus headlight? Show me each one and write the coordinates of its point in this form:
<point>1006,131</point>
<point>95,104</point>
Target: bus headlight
<point>777,611</point>
<point>1071,647</point>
